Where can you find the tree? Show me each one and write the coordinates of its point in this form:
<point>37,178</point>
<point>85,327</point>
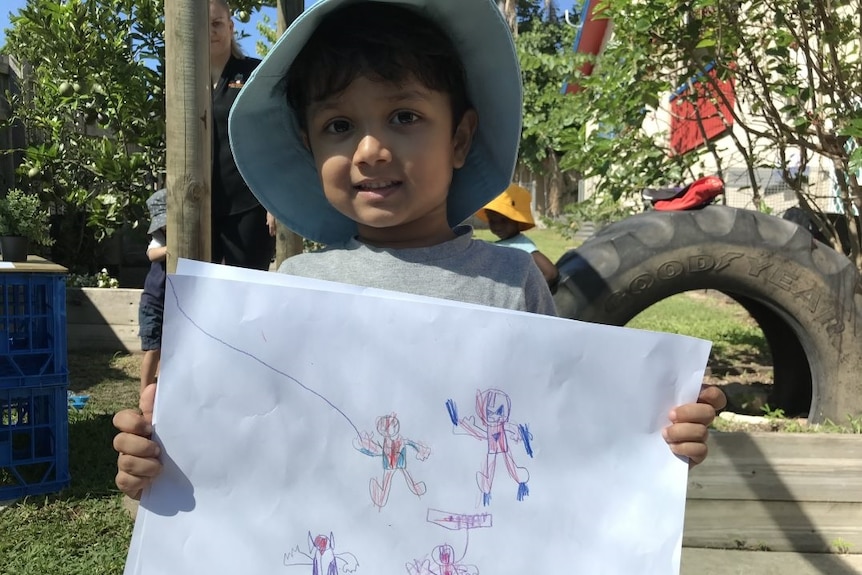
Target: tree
<point>287,243</point>
<point>268,36</point>
<point>93,108</point>
<point>795,69</point>
<point>544,46</point>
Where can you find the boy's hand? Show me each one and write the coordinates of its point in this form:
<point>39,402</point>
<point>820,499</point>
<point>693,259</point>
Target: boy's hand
<point>138,463</point>
<point>688,431</point>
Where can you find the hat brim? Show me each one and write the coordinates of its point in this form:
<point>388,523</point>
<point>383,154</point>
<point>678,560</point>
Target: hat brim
<point>271,155</point>
<point>513,203</point>
<point>511,214</point>
<point>158,222</point>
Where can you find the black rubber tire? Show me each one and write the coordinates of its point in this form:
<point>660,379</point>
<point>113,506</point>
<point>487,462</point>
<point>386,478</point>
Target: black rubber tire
<point>806,297</point>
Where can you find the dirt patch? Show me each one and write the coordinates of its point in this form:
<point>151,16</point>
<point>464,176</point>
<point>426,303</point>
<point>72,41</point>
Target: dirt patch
<point>746,398</point>
<point>746,379</point>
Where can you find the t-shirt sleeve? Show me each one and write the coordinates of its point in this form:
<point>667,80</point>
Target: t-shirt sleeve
<point>292,266</point>
<point>157,240</point>
<point>519,242</point>
<point>537,295</point>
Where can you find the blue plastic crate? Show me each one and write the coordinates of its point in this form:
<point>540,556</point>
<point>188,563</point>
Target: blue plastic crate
<point>32,326</point>
<point>34,440</point>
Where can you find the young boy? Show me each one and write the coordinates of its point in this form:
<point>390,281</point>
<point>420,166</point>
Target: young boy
<point>508,216</point>
<point>152,307</point>
<point>376,128</point>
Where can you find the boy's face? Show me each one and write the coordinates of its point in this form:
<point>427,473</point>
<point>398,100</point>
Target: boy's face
<point>385,154</point>
<point>501,226</point>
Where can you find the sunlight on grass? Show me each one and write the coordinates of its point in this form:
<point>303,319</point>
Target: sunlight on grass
<point>80,531</point>
<point>112,386</point>
<point>735,337</point>
<point>83,530</point>
<point>549,242</point>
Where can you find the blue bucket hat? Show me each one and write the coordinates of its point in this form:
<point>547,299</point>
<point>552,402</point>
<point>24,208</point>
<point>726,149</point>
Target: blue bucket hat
<point>267,142</point>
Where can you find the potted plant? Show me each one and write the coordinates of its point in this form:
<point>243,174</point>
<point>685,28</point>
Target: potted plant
<point>23,220</point>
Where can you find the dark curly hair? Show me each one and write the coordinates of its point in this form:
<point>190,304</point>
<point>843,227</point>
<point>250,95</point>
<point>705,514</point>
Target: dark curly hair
<point>376,40</point>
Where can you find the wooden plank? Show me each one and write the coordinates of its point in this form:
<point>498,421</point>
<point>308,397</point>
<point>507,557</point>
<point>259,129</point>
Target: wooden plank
<point>102,319</point>
<point>807,527</point>
<point>803,479</point>
<point>780,467</point>
<point>783,445</point>
<point>34,264</point>
<point>91,337</point>
<point>726,562</point>
<point>102,306</point>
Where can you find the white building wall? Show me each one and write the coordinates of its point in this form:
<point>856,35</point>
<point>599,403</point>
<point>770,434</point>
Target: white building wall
<point>775,194</point>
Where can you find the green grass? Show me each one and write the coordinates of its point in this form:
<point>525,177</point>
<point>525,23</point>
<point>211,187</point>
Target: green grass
<point>549,242</point>
<point>82,530</point>
<point>736,338</point>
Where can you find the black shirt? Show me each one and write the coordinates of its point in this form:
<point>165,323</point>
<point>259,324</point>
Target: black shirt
<point>230,194</point>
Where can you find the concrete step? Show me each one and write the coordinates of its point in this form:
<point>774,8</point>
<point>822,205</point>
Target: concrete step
<point>732,562</point>
<point>586,230</point>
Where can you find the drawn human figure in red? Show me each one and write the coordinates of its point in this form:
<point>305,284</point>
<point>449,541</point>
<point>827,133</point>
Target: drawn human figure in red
<point>445,564</point>
<point>392,449</point>
<point>493,407</point>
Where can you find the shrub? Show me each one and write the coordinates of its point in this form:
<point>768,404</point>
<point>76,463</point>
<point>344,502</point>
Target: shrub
<point>22,214</point>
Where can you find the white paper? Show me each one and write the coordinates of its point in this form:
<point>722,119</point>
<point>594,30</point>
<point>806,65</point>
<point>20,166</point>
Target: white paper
<point>308,430</point>
<point>7,265</point>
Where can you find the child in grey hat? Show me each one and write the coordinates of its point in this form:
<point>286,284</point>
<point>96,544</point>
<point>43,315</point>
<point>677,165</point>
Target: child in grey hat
<point>377,128</point>
<point>152,307</point>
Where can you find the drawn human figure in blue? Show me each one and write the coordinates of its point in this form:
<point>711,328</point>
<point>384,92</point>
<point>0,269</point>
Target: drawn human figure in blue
<point>493,407</point>
<point>392,449</point>
<point>322,557</point>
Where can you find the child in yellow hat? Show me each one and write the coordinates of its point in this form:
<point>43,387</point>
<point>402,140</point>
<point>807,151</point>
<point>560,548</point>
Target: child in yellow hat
<point>508,215</point>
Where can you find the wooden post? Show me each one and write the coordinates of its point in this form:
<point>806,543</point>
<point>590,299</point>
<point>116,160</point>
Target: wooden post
<point>287,243</point>
<point>188,130</point>
<point>288,11</point>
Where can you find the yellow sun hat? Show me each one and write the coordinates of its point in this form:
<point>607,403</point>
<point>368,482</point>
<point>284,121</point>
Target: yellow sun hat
<point>514,203</point>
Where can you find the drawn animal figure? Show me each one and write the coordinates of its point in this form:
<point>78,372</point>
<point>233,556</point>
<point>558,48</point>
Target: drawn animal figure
<point>392,449</point>
<point>493,408</point>
<point>322,557</point>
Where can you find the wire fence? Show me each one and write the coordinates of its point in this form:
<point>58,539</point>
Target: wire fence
<point>776,195</point>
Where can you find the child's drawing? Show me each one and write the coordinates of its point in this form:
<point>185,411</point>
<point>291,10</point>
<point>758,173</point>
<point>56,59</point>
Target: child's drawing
<point>443,556</point>
<point>322,557</point>
<point>392,449</point>
<point>445,563</point>
<point>459,521</point>
<point>493,408</point>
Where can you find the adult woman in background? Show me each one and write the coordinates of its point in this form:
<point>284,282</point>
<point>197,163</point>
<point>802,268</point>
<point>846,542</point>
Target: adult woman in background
<point>243,234</point>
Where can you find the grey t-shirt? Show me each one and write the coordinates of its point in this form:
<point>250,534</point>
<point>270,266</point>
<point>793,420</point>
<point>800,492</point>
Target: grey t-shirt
<point>462,269</point>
